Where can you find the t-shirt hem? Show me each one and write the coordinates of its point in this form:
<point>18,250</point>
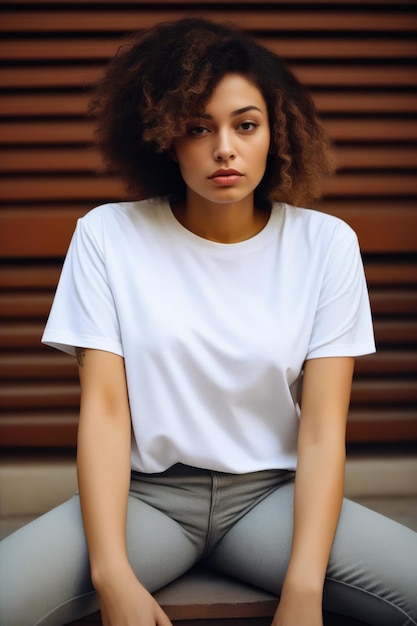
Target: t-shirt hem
<point>341,350</point>
<point>286,464</point>
<point>68,343</point>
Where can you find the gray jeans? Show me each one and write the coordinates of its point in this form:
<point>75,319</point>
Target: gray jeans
<point>238,524</point>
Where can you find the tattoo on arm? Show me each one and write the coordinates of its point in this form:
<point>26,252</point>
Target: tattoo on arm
<point>80,354</point>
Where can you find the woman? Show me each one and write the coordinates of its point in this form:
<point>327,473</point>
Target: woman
<point>194,316</point>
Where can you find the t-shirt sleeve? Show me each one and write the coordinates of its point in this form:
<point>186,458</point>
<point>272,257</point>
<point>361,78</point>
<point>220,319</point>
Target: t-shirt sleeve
<point>342,323</point>
<point>83,312</point>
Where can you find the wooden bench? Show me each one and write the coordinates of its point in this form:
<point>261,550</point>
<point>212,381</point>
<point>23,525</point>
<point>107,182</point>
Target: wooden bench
<point>203,598</point>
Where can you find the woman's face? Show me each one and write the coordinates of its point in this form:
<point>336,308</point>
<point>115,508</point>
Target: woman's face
<point>222,157</point>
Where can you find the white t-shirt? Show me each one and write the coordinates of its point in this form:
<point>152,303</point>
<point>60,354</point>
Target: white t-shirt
<point>214,336</point>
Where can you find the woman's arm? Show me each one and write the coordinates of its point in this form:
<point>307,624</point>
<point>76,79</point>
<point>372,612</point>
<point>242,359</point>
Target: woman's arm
<point>319,486</point>
<point>103,465</point>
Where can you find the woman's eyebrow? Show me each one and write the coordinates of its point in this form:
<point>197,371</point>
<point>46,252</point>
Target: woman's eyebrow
<point>250,107</point>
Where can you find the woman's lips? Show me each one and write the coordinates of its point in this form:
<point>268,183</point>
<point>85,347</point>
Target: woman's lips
<point>225,178</point>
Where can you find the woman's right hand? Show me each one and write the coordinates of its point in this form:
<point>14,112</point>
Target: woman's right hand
<point>127,603</point>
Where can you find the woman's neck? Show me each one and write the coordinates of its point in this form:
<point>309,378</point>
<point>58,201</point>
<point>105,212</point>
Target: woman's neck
<point>223,223</point>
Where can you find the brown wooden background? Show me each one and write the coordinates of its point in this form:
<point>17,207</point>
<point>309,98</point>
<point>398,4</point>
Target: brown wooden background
<point>358,58</point>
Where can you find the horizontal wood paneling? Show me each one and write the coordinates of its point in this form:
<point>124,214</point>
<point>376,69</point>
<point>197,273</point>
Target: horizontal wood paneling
<point>318,76</point>
<point>77,187</point>
<point>185,3</point>
<point>275,18</point>
<point>344,129</point>
<point>26,231</point>
<point>391,333</point>
<point>359,60</point>
<point>82,49</point>
<point>53,159</point>
<point>383,102</point>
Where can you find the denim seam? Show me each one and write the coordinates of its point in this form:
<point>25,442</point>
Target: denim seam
<point>375,595</point>
<point>213,500</point>
<point>83,595</point>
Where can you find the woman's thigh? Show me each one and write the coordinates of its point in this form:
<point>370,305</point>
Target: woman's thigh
<point>372,573</point>
<point>44,568</point>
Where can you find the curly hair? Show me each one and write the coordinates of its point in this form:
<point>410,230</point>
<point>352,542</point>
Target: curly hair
<point>167,74</point>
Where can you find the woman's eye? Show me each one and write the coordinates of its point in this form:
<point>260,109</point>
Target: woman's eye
<point>247,126</point>
<point>197,131</point>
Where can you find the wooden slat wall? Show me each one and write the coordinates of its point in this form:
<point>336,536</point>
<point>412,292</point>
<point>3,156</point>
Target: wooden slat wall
<point>359,59</point>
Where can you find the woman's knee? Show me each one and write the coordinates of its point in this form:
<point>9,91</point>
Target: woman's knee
<point>374,559</point>
<point>43,565</point>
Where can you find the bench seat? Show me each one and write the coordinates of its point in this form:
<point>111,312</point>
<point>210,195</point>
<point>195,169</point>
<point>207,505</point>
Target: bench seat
<point>204,598</point>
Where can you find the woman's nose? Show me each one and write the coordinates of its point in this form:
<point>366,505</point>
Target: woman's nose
<point>224,149</point>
